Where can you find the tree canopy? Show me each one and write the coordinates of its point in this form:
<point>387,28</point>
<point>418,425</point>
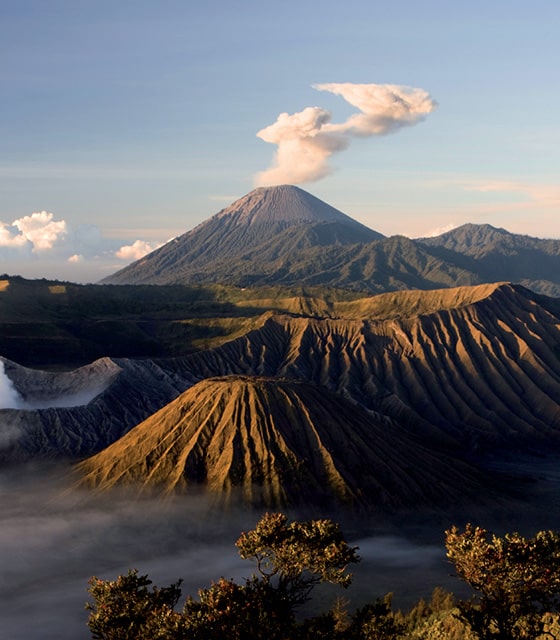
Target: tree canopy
<point>517,580</point>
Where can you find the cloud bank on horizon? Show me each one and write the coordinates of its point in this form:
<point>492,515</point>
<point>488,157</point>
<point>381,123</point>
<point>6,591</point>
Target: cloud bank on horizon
<point>41,235</point>
<point>307,139</point>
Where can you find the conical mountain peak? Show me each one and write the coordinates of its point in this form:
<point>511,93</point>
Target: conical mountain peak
<point>276,443</point>
<point>248,241</point>
<point>285,205</point>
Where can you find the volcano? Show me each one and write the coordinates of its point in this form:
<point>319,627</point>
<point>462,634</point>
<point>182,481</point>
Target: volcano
<point>284,236</point>
<point>277,443</point>
<point>262,228</point>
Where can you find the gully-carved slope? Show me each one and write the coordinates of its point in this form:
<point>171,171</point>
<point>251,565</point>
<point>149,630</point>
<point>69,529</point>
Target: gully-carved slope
<point>484,369</point>
<point>475,369</point>
<point>277,443</point>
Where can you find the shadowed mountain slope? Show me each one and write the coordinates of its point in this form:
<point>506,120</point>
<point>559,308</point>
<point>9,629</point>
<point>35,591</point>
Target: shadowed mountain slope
<point>285,236</point>
<point>496,254</point>
<point>264,224</point>
<point>474,369</point>
<point>482,239</point>
<point>278,443</point>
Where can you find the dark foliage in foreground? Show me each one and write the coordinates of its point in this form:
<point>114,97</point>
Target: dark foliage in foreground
<point>517,582</point>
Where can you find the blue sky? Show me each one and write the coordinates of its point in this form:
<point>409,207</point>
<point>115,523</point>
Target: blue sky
<point>126,123</point>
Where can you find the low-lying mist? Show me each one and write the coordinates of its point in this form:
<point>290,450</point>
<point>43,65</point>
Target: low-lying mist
<point>52,540</point>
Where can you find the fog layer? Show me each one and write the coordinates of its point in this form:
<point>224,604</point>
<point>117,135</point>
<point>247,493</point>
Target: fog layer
<point>53,540</point>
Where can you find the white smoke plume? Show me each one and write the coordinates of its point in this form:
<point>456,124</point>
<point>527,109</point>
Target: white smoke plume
<point>9,397</point>
<point>307,139</point>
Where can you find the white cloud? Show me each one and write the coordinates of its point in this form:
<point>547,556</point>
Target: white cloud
<point>40,245</point>
<point>136,250</point>
<point>438,231</point>
<point>307,139</point>
<point>11,237</point>
<point>41,230</point>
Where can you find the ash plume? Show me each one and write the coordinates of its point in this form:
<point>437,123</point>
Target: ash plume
<point>307,139</point>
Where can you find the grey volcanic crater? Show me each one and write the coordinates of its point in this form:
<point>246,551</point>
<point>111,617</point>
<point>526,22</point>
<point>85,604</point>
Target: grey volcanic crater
<point>76,413</point>
<point>45,389</point>
<point>278,443</point>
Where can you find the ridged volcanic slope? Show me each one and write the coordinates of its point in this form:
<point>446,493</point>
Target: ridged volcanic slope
<point>278,443</point>
<point>484,372</point>
<point>475,368</point>
<point>269,222</point>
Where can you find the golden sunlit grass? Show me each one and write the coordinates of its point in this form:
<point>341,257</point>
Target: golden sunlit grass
<point>4,284</point>
<point>214,331</point>
<point>57,289</point>
<point>408,304</point>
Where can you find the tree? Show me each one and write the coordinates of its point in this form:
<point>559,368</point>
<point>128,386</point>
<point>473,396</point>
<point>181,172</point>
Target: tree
<point>376,621</point>
<point>238,612</point>
<point>291,558</point>
<point>125,608</point>
<point>518,580</point>
<point>296,556</point>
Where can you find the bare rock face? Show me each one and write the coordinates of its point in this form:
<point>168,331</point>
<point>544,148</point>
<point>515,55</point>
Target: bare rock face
<point>472,369</point>
<point>285,205</point>
<point>275,442</point>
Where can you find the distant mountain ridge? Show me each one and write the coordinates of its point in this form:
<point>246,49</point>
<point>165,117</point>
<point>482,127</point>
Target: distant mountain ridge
<point>497,255</point>
<point>285,236</point>
<point>480,239</point>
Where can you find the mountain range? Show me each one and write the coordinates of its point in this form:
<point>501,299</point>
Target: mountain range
<point>255,358</point>
<point>465,376</point>
<point>285,236</point>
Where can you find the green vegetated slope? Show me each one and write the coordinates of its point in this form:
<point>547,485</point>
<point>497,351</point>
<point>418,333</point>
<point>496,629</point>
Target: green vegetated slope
<point>285,236</point>
<point>58,324</point>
